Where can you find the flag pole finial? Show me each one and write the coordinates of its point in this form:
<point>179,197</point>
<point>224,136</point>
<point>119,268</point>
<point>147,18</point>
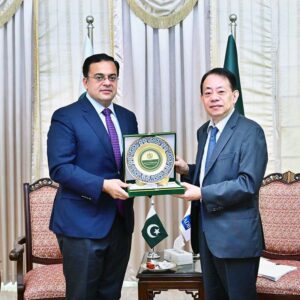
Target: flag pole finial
<point>152,202</point>
<point>233,18</point>
<point>90,27</point>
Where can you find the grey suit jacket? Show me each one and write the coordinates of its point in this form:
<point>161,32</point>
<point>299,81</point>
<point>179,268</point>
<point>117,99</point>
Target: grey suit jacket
<point>230,190</point>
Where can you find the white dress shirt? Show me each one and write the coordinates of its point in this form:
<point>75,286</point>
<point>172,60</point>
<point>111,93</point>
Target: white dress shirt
<point>221,125</point>
<point>99,108</point>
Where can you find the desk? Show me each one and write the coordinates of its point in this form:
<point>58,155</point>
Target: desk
<point>187,278</point>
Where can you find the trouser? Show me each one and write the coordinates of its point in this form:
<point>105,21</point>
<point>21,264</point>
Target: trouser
<point>94,269</point>
<point>227,279</point>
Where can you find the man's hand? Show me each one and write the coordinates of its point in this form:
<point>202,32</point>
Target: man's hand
<point>114,187</point>
<point>192,192</point>
<point>181,166</point>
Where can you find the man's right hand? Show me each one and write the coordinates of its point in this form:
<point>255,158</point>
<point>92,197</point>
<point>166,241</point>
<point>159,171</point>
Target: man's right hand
<point>181,166</point>
<point>192,192</point>
<point>114,187</point>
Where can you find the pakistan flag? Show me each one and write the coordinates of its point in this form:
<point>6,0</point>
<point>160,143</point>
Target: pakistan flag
<point>153,231</point>
<point>231,64</point>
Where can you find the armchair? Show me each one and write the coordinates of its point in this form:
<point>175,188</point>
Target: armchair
<point>43,278</point>
<point>279,203</point>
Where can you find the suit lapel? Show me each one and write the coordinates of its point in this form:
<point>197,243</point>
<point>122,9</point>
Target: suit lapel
<point>202,136</point>
<point>223,139</point>
<point>96,124</point>
<point>123,123</point>
<point>121,119</point>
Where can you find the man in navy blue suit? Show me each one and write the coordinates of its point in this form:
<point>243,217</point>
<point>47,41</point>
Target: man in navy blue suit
<point>92,215</point>
<point>226,226</point>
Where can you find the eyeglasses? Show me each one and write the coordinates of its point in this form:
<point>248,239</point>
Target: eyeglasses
<point>102,77</point>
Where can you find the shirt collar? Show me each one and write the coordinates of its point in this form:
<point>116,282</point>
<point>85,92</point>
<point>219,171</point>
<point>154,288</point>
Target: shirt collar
<point>99,107</point>
<point>220,125</point>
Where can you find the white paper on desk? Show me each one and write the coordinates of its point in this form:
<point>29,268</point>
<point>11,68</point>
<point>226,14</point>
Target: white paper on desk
<point>273,271</point>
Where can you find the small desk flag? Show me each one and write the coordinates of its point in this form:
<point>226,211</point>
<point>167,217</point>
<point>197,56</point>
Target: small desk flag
<point>185,225</point>
<point>153,231</point>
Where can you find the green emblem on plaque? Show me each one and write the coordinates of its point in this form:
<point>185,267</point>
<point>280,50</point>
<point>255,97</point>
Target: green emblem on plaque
<point>150,159</point>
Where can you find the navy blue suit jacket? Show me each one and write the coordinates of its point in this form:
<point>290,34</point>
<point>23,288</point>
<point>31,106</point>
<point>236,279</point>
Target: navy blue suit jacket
<point>80,157</point>
<point>230,190</point>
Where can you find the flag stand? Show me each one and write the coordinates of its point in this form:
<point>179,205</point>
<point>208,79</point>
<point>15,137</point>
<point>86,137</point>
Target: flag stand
<point>152,254</point>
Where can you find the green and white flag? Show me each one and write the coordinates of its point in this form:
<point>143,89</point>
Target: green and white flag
<point>231,64</point>
<point>87,51</point>
<point>153,231</point>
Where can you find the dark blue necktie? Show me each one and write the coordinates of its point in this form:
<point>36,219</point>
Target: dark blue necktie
<point>211,145</point>
<point>116,149</point>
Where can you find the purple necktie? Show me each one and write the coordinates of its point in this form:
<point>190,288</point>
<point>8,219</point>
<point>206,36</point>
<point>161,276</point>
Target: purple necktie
<point>113,136</point>
<point>116,149</point>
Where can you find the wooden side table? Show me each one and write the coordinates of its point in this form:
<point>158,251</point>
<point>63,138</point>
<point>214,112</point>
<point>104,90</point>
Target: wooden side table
<point>187,278</point>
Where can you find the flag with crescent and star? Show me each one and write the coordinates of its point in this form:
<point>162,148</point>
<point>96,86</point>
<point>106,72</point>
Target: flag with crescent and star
<point>153,231</point>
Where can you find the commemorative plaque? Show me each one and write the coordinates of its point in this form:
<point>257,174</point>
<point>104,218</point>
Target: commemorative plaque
<point>149,164</point>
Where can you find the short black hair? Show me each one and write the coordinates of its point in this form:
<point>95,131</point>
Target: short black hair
<point>97,58</point>
<point>222,72</point>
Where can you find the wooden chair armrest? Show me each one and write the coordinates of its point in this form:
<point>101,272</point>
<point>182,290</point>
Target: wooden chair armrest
<point>16,254</point>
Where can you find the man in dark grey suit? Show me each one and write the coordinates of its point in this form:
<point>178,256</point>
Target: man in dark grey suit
<point>226,225</point>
